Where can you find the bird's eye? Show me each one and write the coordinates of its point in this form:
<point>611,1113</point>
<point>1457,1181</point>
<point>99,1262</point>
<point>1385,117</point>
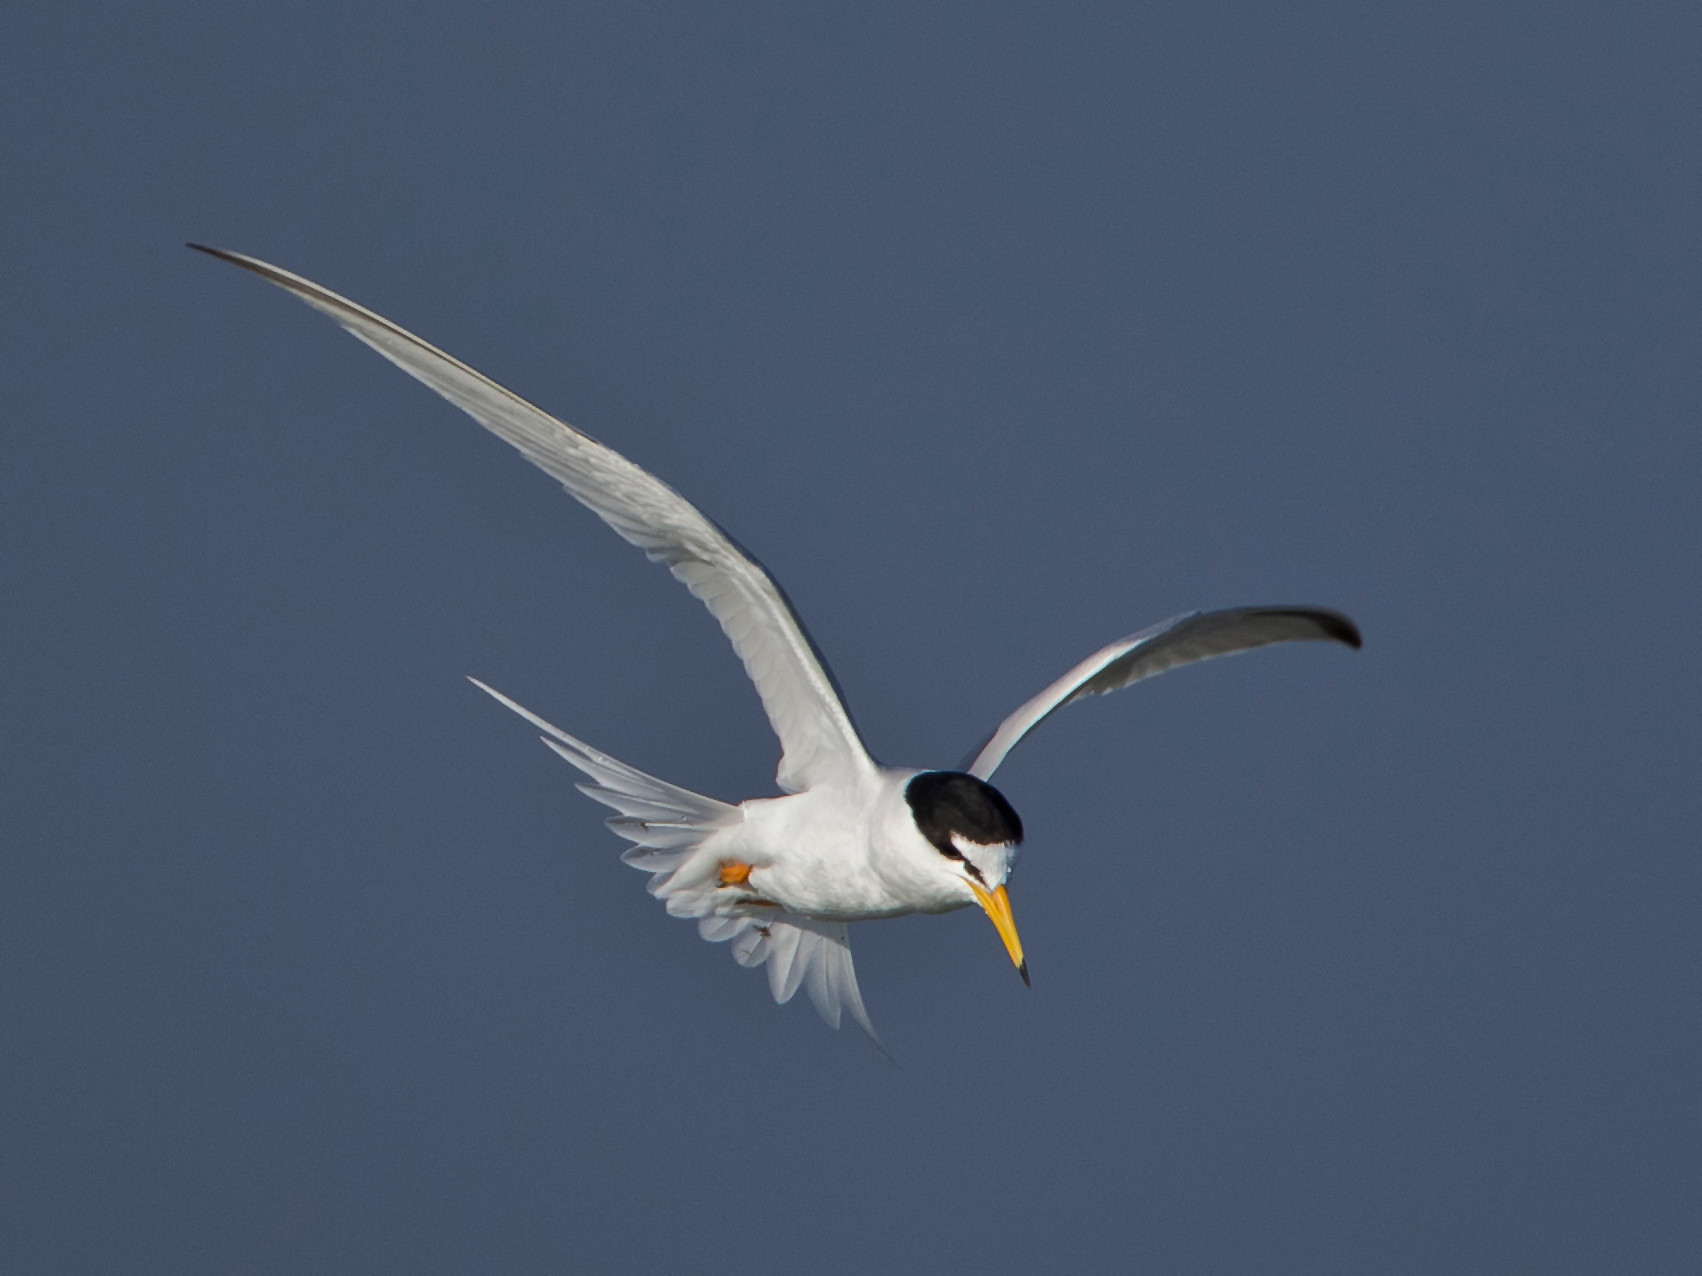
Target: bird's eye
<point>950,851</point>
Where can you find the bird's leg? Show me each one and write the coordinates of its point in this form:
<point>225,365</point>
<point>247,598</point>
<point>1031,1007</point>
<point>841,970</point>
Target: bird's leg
<point>738,873</point>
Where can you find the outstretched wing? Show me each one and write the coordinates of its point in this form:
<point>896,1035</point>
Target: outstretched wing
<point>1181,640</point>
<point>818,741</point>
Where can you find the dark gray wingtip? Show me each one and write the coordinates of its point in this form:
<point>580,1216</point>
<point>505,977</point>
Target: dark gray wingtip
<point>1334,624</point>
<point>237,259</point>
<point>1330,625</point>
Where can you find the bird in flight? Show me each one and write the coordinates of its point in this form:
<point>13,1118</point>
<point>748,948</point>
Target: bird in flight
<point>781,878</point>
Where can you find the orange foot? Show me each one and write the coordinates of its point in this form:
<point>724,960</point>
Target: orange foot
<point>735,872</point>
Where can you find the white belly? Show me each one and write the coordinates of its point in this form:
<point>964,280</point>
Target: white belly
<point>835,856</point>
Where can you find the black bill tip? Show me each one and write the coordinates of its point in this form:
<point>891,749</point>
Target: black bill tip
<point>1023,971</point>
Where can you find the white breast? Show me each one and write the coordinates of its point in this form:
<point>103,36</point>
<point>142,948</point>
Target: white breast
<point>846,855</point>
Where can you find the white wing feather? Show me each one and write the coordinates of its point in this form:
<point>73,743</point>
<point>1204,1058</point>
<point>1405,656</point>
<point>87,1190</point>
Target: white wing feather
<point>801,953</point>
<point>818,741</point>
<point>1181,640</point>
<point>673,831</point>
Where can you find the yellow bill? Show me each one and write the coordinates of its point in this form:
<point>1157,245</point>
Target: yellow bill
<point>998,906</point>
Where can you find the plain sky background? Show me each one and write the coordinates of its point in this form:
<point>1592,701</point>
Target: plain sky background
<point>997,332</point>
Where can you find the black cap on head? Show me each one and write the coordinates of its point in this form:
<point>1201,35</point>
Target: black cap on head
<point>948,802</point>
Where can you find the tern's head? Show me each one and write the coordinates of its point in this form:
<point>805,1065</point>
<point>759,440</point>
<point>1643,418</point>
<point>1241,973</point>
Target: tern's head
<point>976,833</point>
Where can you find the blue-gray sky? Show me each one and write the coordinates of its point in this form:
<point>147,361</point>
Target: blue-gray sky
<point>997,333</point>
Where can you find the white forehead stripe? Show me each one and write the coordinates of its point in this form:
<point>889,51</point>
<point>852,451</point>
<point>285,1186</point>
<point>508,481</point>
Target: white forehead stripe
<point>965,846</point>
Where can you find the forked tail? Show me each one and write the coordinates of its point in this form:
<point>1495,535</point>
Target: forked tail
<point>670,828</point>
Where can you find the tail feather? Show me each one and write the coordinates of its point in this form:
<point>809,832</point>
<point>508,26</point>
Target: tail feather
<point>785,971</point>
<point>800,952</point>
<point>669,826</point>
<point>660,834</point>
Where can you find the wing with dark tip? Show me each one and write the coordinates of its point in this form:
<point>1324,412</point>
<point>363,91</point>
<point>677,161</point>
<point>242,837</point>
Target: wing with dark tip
<point>1198,635</point>
<point>818,742</point>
